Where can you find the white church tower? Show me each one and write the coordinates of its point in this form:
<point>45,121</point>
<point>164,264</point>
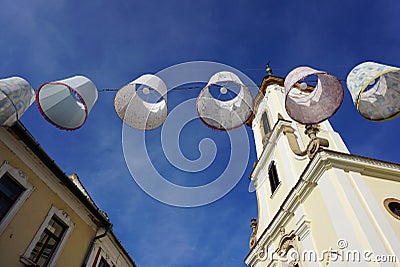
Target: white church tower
<point>318,205</point>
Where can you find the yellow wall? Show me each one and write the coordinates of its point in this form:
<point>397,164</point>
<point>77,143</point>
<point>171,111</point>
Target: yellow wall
<point>321,224</point>
<point>20,231</point>
<point>382,189</point>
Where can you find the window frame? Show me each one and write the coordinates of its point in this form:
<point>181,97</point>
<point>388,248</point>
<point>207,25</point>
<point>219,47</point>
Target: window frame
<point>19,177</point>
<point>64,218</point>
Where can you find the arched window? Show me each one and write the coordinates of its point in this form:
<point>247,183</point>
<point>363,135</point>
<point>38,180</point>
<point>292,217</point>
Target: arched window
<point>265,124</point>
<point>266,130</point>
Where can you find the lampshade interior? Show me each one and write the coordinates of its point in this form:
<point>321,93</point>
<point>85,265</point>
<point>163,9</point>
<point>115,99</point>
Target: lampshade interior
<point>62,106</point>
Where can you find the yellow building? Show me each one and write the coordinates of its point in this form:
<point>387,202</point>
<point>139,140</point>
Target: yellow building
<point>318,207</point>
<point>46,217</point>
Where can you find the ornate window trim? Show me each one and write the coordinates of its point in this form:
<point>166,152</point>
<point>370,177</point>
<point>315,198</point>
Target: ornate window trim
<point>22,179</point>
<point>64,217</point>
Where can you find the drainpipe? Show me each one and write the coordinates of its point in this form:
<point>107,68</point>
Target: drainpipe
<point>89,251</point>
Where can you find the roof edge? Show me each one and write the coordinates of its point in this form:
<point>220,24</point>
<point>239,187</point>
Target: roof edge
<point>19,130</point>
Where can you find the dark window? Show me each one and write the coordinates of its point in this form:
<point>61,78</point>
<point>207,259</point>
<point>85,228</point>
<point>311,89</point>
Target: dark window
<point>265,123</point>
<point>48,242</point>
<point>395,207</point>
<point>10,191</point>
<point>273,177</point>
<point>103,263</point>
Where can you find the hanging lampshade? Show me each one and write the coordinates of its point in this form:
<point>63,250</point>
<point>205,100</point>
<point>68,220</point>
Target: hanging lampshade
<point>146,111</point>
<point>225,114</point>
<point>375,89</point>
<point>312,104</point>
<point>67,103</point>
<point>16,95</point>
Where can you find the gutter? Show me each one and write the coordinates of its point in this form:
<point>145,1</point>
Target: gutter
<point>89,251</point>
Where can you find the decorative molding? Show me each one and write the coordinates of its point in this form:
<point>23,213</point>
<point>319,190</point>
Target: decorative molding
<point>362,165</point>
<point>253,238</point>
<point>314,145</point>
<point>303,228</point>
<point>286,241</point>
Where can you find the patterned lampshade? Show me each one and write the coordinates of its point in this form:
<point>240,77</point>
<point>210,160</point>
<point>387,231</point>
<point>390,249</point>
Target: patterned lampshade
<point>16,95</point>
<point>375,89</point>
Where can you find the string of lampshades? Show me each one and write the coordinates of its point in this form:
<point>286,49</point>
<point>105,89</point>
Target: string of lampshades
<point>374,87</point>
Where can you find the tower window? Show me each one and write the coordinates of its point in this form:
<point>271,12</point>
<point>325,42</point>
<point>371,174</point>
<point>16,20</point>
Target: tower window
<point>273,176</point>
<point>265,123</point>
<point>266,131</point>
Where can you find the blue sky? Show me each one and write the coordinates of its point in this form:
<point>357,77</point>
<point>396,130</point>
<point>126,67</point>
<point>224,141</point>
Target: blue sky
<point>114,42</point>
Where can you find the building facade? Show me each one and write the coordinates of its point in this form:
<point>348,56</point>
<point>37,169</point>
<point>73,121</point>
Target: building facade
<point>46,217</point>
<point>318,205</point>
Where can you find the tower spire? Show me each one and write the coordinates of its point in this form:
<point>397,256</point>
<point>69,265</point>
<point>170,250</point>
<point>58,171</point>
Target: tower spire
<point>268,70</point>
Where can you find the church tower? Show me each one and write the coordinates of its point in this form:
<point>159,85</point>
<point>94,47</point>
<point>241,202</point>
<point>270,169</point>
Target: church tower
<point>318,204</point>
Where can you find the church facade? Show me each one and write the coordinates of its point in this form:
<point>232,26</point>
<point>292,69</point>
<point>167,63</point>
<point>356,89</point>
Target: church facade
<point>318,204</point>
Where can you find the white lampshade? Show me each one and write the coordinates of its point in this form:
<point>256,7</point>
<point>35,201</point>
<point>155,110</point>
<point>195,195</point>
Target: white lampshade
<point>375,89</point>
<point>229,114</point>
<point>312,105</point>
<point>67,103</point>
<point>16,95</point>
<point>137,112</point>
